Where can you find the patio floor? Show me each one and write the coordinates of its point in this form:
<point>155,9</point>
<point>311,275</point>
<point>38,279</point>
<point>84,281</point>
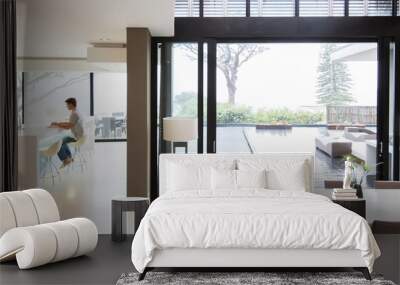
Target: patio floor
<point>302,139</point>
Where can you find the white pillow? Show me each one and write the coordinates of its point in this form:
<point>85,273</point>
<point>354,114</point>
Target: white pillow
<point>251,178</point>
<point>183,177</point>
<point>292,179</point>
<point>223,179</point>
<point>282,174</point>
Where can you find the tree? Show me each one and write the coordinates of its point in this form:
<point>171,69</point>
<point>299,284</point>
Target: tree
<point>185,104</point>
<point>334,80</point>
<point>230,57</point>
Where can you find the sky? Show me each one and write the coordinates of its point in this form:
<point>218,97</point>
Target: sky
<point>285,75</point>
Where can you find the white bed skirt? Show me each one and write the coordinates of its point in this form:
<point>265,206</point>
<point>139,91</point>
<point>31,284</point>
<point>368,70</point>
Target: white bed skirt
<point>189,257</point>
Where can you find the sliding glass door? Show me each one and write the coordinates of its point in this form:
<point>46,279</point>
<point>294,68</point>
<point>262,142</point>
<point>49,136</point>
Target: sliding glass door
<point>179,93</point>
<point>328,98</point>
<point>299,97</point>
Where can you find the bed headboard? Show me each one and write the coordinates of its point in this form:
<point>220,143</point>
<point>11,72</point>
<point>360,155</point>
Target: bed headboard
<point>167,158</point>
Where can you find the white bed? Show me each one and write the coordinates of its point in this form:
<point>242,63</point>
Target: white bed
<point>203,220</point>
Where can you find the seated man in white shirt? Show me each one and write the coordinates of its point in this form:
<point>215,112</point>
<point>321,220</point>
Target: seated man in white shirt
<point>75,125</point>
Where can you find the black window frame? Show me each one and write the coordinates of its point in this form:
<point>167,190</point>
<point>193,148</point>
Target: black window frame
<point>381,30</point>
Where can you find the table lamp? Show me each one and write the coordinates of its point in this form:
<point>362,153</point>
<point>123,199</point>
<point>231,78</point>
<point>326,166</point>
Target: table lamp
<point>179,130</point>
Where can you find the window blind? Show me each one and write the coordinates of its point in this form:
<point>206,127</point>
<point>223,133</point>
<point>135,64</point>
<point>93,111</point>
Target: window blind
<point>272,8</point>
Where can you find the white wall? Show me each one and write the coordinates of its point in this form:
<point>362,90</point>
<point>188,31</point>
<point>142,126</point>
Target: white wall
<point>79,191</point>
<point>110,180</point>
<point>92,198</point>
<point>65,28</point>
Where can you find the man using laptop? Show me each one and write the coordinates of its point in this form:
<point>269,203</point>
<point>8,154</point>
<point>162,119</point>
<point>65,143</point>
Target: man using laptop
<point>75,125</point>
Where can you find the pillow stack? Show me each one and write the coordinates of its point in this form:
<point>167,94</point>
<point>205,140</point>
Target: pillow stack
<point>274,174</point>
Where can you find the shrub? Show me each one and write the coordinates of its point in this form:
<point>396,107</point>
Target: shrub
<point>227,113</point>
<point>243,114</point>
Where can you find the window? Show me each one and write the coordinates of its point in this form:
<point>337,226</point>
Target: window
<point>184,84</point>
<point>300,97</point>
<point>109,103</point>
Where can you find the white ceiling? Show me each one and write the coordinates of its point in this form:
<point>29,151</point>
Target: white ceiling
<point>64,28</point>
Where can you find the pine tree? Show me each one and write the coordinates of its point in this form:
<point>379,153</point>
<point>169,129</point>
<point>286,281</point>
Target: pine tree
<point>334,80</point>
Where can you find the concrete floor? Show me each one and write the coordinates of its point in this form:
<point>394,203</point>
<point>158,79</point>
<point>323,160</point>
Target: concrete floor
<point>110,259</point>
<point>103,266</point>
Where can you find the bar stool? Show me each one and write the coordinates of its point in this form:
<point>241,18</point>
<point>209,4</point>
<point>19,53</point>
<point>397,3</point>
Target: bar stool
<point>78,156</point>
<point>50,167</point>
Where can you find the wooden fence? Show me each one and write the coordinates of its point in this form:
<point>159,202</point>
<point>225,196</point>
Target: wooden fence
<point>365,115</point>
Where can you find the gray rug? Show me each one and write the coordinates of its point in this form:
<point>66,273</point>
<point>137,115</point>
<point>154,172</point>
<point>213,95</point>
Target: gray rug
<point>268,278</point>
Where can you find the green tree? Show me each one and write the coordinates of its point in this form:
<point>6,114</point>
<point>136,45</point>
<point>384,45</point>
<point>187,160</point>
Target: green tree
<point>230,58</point>
<point>334,80</point>
<point>185,104</point>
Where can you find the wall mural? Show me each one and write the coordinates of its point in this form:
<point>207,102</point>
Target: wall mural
<point>44,102</point>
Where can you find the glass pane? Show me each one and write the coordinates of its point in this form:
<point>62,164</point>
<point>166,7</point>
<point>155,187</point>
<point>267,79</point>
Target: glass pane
<point>183,82</point>
<point>109,92</point>
<point>391,109</point>
<point>20,99</point>
<point>318,98</point>
<point>205,98</point>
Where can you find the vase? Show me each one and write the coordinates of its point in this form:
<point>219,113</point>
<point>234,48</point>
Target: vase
<point>359,192</point>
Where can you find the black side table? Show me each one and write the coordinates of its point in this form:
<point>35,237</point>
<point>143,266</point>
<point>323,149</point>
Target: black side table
<point>123,204</point>
<point>355,205</point>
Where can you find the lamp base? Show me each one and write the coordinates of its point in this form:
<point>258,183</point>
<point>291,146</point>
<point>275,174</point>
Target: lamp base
<point>176,145</point>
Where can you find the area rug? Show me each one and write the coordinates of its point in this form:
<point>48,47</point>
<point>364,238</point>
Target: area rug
<point>244,278</point>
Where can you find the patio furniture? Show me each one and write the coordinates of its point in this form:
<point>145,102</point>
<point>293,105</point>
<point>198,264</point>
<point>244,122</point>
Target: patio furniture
<point>339,126</point>
<point>108,127</point>
<point>333,146</point>
<point>359,134</point>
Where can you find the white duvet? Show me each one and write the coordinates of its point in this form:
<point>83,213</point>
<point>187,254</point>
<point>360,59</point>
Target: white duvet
<point>250,219</point>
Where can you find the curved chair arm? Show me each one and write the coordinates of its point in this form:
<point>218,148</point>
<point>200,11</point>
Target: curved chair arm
<point>37,245</point>
<point>32,246</point>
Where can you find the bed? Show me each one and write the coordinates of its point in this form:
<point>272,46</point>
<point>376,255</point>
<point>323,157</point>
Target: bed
<point>247,211</point>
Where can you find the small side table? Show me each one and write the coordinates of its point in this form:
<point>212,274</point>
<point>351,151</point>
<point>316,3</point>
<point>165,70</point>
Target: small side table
<point>355,205</point>
<point>123,204</point>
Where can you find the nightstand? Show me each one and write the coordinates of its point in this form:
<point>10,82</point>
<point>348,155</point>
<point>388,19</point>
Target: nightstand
<point>355,205</point>
<point>123,204</point>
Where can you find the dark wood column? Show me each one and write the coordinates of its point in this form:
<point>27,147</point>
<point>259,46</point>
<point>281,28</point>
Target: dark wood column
<point>138,112</point>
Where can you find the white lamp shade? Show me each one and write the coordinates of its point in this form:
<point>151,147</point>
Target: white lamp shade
<point>179,129</point>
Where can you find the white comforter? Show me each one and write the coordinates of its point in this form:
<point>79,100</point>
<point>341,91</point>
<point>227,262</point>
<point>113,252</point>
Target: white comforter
<point>250,219</point>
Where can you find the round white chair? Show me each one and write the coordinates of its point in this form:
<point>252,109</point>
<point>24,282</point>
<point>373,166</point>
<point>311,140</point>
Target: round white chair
<point>31,231</point>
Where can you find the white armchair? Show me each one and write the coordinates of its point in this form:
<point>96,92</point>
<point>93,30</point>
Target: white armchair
<point>31,230</point>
